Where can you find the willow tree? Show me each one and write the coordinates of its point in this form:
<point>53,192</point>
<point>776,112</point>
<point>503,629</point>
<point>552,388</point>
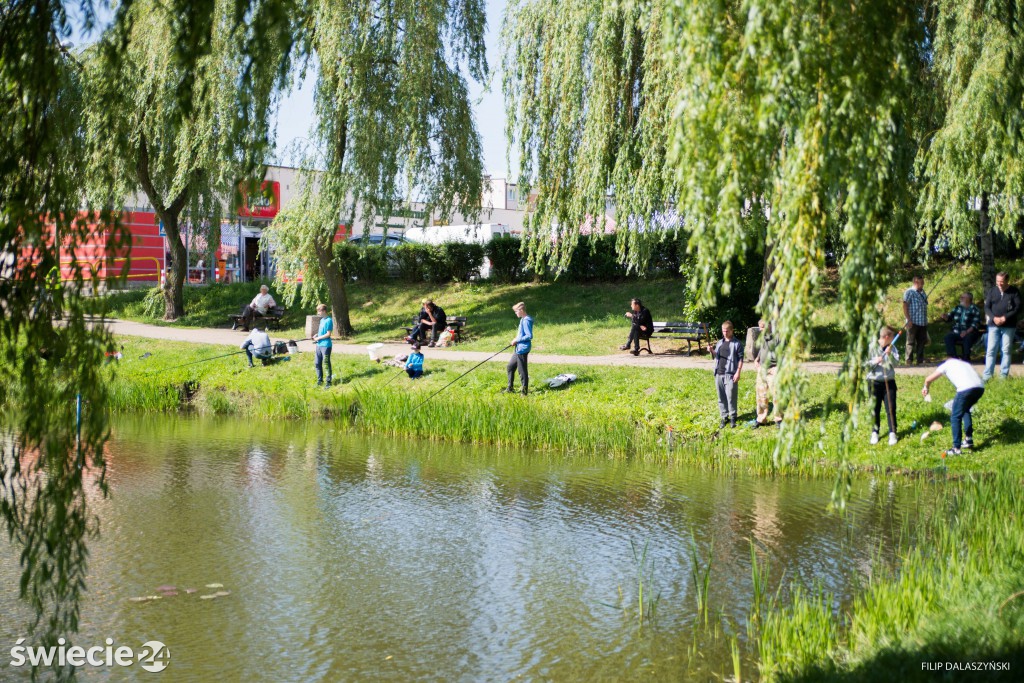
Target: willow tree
<point>171,127</point>
<point>587,97</point>
<point>46,461</point>
<point>793,109</point>
<point>974,161</point>
<point>393,121</point>
<point>49,456</point>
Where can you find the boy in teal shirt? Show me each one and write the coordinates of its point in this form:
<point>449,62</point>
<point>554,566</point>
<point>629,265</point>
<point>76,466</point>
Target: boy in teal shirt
<point>323,346</point>
<point>414,364</point>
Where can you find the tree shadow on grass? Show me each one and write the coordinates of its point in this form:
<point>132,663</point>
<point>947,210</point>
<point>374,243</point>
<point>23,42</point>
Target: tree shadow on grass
<point>1009,430</point>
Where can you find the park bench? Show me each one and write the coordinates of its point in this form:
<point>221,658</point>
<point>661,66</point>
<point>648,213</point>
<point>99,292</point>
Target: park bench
<point>272,318</point>
<point>455,322</point>
<point>688,331</point>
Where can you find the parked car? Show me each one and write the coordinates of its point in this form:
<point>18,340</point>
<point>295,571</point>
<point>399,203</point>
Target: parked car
<point>375,240</point>
<point>372,240</point>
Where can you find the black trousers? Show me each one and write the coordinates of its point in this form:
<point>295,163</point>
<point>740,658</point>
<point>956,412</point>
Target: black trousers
<point>960,347</point>
<point>518,362</point>
<point>885,392</point>
<point>419,332</point>
<point>248,313</point>
<point>636,335</point>
<point>917,339</point>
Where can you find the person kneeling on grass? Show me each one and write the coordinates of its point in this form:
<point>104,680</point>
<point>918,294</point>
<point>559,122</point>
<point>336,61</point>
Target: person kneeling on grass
<point>882,376</point>
<point>969,389</point>
<point>324,346</point>
<point>258,344</point>
<point>414,363</point>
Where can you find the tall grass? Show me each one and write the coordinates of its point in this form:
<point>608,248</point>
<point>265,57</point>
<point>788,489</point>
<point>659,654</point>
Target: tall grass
<point>613,411</point>
<point>946,601</point>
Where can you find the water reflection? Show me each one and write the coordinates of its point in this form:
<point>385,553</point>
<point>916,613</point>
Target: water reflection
<point>351,558</point>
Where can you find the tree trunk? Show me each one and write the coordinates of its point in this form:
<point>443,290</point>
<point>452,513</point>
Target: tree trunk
<point>988,259</point>
<point>766,271</point>
<point>336,288</point>
<point>174,299</point>
<point>175,302</point>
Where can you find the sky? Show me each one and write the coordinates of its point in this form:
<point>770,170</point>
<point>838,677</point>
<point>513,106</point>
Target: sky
<point>295,117</point>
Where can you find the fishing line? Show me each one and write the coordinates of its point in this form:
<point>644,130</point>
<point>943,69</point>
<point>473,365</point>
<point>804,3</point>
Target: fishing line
<point>225,355</point>
<point>417,406</point>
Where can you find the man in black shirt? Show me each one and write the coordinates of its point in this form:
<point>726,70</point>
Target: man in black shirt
<point>1002,307</point>
<point>642,326</point>
<point>432,317</point>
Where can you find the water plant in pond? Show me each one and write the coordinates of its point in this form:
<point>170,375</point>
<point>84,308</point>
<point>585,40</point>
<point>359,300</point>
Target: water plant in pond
<point>700,574</point>
<point>646,605</point>
<point>759,571</point>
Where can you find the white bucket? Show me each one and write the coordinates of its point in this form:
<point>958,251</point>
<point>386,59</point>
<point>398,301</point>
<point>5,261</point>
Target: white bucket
<point>372,349</point>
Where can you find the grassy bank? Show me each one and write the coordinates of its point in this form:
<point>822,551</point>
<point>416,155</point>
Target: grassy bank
<point>619,411</point>
<point>956,598</point>
<point>575,319</point>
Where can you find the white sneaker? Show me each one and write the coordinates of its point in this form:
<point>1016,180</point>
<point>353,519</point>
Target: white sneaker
<point>874,438</point>
<point>892,438</point>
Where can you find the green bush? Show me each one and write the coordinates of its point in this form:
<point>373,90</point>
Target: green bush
<point>458,261</point>
<point>507,261</point>
<point>369,264</point>
<point>595,258</point>
<point>740,306</point>
<point>411,262</point>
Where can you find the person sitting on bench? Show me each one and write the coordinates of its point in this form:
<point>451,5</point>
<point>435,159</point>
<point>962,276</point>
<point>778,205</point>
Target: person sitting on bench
<point>260,304</point>
<point>642,328</point>
<point>433,318</point>
<point>966,319</point>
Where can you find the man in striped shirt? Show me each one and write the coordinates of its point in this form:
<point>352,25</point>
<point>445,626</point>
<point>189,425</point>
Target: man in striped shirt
<point>915,313</point>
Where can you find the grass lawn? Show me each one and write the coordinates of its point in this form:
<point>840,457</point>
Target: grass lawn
<point>572,319</point>
<point>618,411</point>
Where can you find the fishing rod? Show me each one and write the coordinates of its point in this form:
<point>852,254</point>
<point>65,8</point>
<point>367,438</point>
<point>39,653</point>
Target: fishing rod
<point>418,405</point>
<point>204,360</point>
<point>393,377</point>
<point>939,281</point>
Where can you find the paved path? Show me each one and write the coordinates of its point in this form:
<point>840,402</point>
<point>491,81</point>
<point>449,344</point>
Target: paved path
<point>227,337</point>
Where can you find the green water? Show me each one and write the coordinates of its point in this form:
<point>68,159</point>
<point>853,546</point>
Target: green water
<point>350,558</point>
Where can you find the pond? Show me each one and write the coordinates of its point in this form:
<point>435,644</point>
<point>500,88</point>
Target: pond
<point>333,556</point>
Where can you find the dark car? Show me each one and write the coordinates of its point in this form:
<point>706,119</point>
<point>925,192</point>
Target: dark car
<point>394,270</point>
<point>375,240</point>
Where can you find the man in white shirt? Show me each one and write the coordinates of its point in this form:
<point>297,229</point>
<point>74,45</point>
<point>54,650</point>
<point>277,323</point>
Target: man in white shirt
<point>258,344</point>
<point>260,304</point>
<point>969,388</point>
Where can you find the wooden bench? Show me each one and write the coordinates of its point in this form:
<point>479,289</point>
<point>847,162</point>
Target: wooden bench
<point>272,318</point>
<point>455,322</point>
<point>688,331</point>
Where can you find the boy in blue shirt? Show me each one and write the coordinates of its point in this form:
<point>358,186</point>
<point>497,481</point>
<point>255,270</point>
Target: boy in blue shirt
<point>523,343</point>
<point>323,346</point>
<point>414,364</point>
